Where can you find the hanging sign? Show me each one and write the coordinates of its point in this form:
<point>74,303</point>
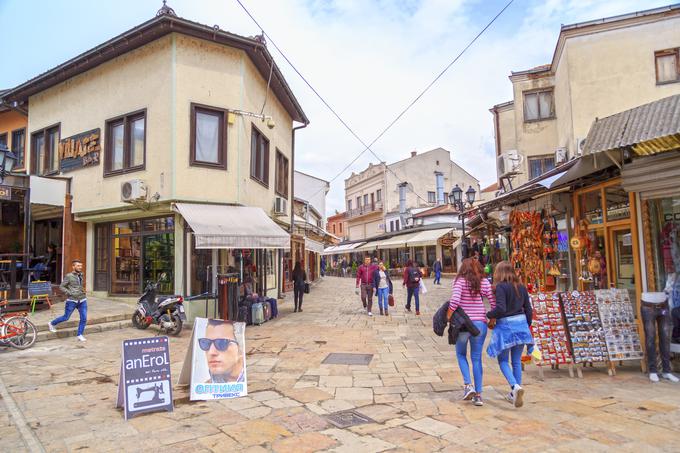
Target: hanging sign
<point>78,151</point>
<point>215,364</point>
<point>144,384</point>
<point>5,193</point>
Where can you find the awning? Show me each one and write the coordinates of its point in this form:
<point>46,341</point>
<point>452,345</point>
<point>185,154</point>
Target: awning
<point>313,246</point>
<point>47,191</point>
<point>549,181</point>
<point>232,227</point>
<point>428,237</point>
<point>396,241</point>
<point>653,176</point>
<point>584,166</point>
<point>342,248</point>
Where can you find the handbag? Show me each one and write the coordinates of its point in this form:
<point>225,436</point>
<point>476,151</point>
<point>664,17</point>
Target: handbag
<point>306,288</point>
<point>423,288</point>
<point>390,300</point>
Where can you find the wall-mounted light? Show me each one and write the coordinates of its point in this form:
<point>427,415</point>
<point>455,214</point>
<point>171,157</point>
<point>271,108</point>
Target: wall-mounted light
<point>7,161</point>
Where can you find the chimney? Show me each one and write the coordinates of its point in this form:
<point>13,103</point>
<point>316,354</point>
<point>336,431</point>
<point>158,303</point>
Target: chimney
<point>413,153</point>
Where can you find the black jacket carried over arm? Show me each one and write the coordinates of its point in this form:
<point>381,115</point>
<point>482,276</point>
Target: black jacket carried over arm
<point>460,322</point>
<point>510,303</point>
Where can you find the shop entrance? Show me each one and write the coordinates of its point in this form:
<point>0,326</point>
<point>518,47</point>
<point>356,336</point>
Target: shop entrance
<point>623,266</point>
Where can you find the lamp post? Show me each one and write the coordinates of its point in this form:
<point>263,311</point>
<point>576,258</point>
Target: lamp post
<point>456,200</point>
<point>7,161</point>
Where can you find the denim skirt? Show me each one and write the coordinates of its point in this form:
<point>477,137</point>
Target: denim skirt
<point>509,332</point>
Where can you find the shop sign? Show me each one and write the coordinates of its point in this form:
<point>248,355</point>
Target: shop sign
<point>215,364</point>
<point>78,151</point>
<point>144,384</point>
<point>5,193</point>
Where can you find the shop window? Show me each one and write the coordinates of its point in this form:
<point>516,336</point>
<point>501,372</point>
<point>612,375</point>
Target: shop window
<point>19,147</point>
<point>282,173</point>
<point>431,253</point>
<point>617,203</point>
<point>431,197</point>
<point>591,206</point>
<point>208,137</point>
<point>664,225</point>
<point>259,157</point>
<point>45,151</point>
<point>201,259</point>
<point>538,105</point>
<point>270,264</point>
<point>540,165</point>
<point>667,66</point>
<point>102,241</point>
<point>3,139</point>
<point>125,144</point>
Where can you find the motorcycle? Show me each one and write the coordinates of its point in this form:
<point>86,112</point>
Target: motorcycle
<point>165,311</point>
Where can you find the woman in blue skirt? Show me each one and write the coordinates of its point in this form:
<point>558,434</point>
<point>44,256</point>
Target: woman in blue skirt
<point>513,319</point>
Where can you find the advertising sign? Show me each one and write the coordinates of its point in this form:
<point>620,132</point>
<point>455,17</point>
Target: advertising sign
<point>82,150</point>
<point>145,384</point>
<point>215,365</point>
<point>5,193</point>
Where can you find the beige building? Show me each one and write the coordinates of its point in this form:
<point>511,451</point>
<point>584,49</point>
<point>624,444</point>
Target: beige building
<point>423,180</point>
<point>599,68</point>
<point>156,132</point>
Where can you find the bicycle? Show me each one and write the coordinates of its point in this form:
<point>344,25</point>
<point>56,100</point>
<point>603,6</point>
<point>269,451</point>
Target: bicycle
<point>16,330</point>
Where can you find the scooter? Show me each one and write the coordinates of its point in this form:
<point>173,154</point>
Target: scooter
<point>165,311</point>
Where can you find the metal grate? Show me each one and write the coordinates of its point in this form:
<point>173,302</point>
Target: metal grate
<point>345,419</point>
<point>341,358</point>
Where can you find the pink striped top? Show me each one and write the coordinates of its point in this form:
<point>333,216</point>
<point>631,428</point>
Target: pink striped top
<point>472,304</point>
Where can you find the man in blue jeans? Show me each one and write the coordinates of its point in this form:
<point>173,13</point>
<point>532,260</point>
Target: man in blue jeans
<point>437,272</point>
<point>72,286</point>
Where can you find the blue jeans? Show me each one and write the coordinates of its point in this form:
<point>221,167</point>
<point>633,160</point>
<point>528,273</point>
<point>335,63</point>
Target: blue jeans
<point>437,277</point>
<point>514,354</point>
<point>476,346</point>
<point>413,292</point>
<point>71,305</point>
<point>383,294</point>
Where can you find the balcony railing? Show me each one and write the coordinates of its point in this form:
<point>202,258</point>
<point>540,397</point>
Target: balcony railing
<point>367,209</point>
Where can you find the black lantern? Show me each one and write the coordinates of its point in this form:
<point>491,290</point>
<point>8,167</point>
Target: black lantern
<point>456,195</point>
<point>470,194</point>
<point>7,161</point>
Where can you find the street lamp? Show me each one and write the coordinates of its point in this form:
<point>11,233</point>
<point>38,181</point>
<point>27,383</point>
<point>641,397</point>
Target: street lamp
<point>7,161</point>
<point>456,200</point>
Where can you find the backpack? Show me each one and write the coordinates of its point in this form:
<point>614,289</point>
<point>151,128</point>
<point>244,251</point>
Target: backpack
<point>413,275</point>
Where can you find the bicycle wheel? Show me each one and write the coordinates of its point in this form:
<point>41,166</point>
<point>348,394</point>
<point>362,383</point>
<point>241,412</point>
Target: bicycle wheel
<point>20,332</point>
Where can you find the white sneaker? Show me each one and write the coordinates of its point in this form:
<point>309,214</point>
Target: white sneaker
<point>653,377</point>
<point>51,327</point>
<point>370,314</point>
<point>670,377</point>
<point>518,395</point>
<point>81,338</point>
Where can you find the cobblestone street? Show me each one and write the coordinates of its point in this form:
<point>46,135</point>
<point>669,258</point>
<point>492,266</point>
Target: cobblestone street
<point>63,393</point>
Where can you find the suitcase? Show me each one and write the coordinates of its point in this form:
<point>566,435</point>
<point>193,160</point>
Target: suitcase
<point>267,308</point>
<point>275,308</point>
<point>243,314</point>
<point>257,313</point>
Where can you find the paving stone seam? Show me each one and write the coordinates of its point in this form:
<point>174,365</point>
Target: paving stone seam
<point>27,435</point>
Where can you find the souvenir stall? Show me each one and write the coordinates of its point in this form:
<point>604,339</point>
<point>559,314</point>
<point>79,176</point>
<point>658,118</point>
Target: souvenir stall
<point>549,332</point>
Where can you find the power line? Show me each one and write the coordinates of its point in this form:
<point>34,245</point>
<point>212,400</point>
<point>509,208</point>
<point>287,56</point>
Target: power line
<point>398,117</point>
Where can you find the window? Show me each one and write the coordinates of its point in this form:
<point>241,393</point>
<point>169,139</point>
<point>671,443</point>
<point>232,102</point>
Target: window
<point>431,197</point>
<point>365,199</point>
<point>125,145</point>
<point>358,202</point>
<point>349,205</point>
<point>378,195</point>
<point>281,174</point>
<point>540,165</point>
<point>259,157</point>
<point>3,139</point>
<point>208,137</point>
<point>340,227</point>
<point>45,151</point>
<point>667,66</point>
<point>538,105</point>
<point>396,223</point>
<point>391,225</point>
<point>19,147</point>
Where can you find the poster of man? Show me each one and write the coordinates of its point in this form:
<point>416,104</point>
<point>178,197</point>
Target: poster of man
<point>218,360</point>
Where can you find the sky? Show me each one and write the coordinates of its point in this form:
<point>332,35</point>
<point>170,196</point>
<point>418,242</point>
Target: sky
<point>368,59</point>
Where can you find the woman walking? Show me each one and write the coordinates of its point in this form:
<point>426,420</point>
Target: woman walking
<point>383,287</point>
<point>468,289</point>
<point>298,277</point>
<point>513,317</point>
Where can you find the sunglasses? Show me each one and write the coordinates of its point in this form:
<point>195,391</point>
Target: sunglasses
<point>221,344</point>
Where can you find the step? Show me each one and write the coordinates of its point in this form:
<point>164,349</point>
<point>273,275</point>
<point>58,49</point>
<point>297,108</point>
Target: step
<point>46,335</point>
<point>73,322</point>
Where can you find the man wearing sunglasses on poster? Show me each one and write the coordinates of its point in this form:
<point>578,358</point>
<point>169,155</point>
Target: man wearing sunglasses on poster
<point>222,352</point>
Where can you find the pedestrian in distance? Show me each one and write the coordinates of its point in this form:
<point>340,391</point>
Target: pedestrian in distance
<point>513,318</point>
<point>364,283</point>
<point>343,266</point>
<point>323,266</point>
<point>383,287</point>
<point>76,299</point>
<point>469,288</point>
<point>299,278</point>
<point>411,280</point>
<point>437,268</point>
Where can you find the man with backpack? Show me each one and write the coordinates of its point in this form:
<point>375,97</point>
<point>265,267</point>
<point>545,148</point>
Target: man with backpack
<point>412,276</point>
<point>365,282</point>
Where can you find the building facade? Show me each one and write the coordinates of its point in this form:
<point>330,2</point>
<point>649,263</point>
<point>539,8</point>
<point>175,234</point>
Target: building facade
<point>599,68</point>
<point>337,226</point>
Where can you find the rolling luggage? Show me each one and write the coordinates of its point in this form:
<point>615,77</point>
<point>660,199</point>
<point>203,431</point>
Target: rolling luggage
<point>275,307</point>
<point>257,313</point>
<point>267,309</point>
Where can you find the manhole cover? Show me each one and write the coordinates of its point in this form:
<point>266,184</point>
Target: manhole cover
<point>346,419</point>
<point>341,358</point>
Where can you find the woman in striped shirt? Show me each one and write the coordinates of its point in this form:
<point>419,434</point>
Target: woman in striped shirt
<point>468,289</point>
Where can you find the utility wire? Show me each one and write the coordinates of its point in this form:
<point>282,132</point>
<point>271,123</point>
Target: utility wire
<point>398,117</point>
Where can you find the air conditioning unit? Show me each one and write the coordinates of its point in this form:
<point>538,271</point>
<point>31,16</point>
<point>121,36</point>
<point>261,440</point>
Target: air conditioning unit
<point>280,206</point>
<point>509,163</point>
<point>133,190</point>
<point>561,156</point>
<point>580,146</point>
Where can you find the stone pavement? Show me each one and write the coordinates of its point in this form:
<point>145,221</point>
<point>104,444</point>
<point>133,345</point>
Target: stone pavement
<point>63,393</point>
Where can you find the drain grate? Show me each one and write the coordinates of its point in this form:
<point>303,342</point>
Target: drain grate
<point>342,358</point>
<point>345,419</point>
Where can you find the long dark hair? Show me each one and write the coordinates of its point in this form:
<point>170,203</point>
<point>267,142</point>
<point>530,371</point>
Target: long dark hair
<point>297,268</point>
<point>471,270</point>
